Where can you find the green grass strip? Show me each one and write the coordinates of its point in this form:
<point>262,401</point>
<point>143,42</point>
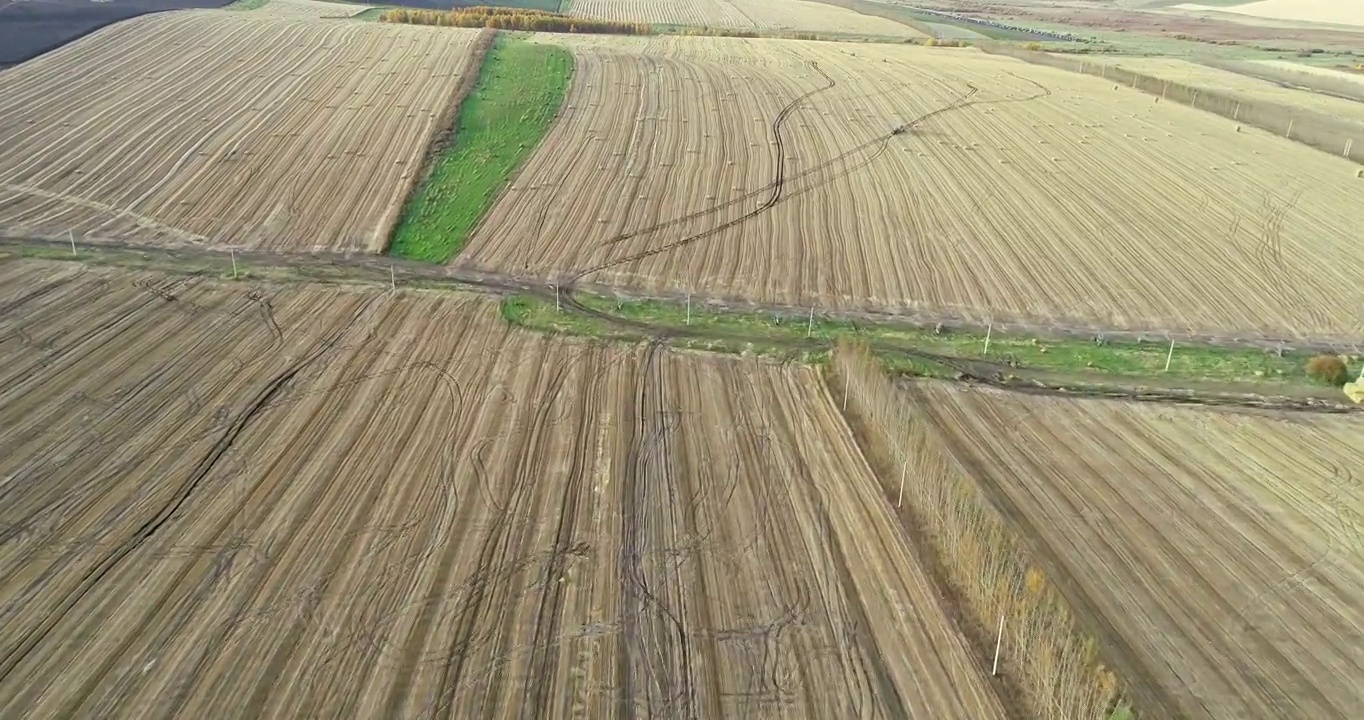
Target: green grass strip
<point>1127,360</point>
<point>519,90</point>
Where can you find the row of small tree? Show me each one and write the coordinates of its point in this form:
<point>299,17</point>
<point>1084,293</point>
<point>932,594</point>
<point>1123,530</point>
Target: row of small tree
<point>513,19</point>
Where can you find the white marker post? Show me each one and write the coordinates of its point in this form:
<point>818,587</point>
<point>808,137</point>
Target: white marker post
<point>899,498</point>
<point>999,642</point>
<point>845,394</point>
<point>988,331</point>
<point>1349,144</point>
<point>557,307</point>
<point>1170,355</point>
<point>1289,132</point>
<point>1236,115</point>
<point>688,308</point>
<point>392,278</point>
<point>810,324</point>
<point>72,235</point>
<point>233,253</point>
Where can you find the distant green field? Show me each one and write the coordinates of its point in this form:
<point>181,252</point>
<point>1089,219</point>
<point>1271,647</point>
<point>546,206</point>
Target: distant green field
<point>519,90</point>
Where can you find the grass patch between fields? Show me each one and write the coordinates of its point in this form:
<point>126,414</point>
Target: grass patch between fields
<point>513,104</point>
<point>737,331</point>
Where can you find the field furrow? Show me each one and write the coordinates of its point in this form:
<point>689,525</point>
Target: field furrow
<point>934,183</point>
<point>198,136</point>
<point>223,499</point>
<point>1223,548</point>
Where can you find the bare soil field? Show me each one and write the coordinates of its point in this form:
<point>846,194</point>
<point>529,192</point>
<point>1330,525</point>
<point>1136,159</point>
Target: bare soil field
<point>234,129</point>
<point>1334,12</point>
<point>303,9</point>
<point>1354,78</point>
<point>759,15</point>
<point>1210,24</point>
<point>1220,549</point>
<point>924,180</point>
<point>223,500</point>
<point>1197,75</point>
<point>28,28</point>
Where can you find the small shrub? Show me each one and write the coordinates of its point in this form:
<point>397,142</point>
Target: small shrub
<point>1034,46</point>
<point>1328,369</point>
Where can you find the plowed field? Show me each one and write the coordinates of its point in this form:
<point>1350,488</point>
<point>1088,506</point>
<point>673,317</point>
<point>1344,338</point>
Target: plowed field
<point>760,15</point>
<point>309,9</point>
<point>1202,76</point>
<point>225,128</point>
<point>773,170</point>
<point>1222,549</point>
<point>221,500</point>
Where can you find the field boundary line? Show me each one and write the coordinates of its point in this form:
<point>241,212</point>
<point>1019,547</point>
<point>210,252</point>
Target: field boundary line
<point>364,267</point>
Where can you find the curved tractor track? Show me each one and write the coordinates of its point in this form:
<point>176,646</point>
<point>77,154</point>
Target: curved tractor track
<point>778,183</point>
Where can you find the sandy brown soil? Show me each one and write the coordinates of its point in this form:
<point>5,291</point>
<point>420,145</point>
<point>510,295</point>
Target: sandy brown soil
<point>757,15</point>
<point>1221,550</point>
<point>231,128</point>
<point>230,500</point>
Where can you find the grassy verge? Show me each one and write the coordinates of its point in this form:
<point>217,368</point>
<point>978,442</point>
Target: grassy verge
<point>515,100</point>
<point>765,333</point>
<point>247,5</point>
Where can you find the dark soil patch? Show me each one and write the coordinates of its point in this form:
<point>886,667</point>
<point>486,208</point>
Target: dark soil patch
<point>29,29</point>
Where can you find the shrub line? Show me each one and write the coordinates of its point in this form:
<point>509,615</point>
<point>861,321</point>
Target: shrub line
<point>1054,664</point>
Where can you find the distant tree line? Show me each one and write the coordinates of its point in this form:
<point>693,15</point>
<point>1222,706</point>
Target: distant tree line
<point>513,19</point>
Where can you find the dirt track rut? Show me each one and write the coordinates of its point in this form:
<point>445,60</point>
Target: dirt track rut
<point>225,500</point>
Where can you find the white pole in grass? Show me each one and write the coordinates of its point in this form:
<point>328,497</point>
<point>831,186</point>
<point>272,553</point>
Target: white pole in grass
<point>904,470</point>
<point>688,308</point>
<point>1289,132</point>
<point>557,307</point>
<point>988,331</point>
<point>392,278</point>
<point>999,642</point>
<point>845,394</point>
<point>72,235</point>
<point>233,253</point>
<point>1170,355</point>
<point>810,325</point>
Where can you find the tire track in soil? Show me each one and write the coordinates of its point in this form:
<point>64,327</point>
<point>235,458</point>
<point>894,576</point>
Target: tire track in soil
<point>775,188</point>
<point>148,529</point>
<point>876,677</point>
<point>544,658</point>
<point>497,544</point>
<point>163,630</point>
<point>664,672</point>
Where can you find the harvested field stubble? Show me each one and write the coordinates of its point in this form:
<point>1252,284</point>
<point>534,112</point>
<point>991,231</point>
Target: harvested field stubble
<point>225,128</point>
<point>227,500</point>
<point>1221,549</point>
<point>773,170</point>
<point>760,15</point>
<point>1055,663</point>
<point>1226,80</point>
<point>302,9</point>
